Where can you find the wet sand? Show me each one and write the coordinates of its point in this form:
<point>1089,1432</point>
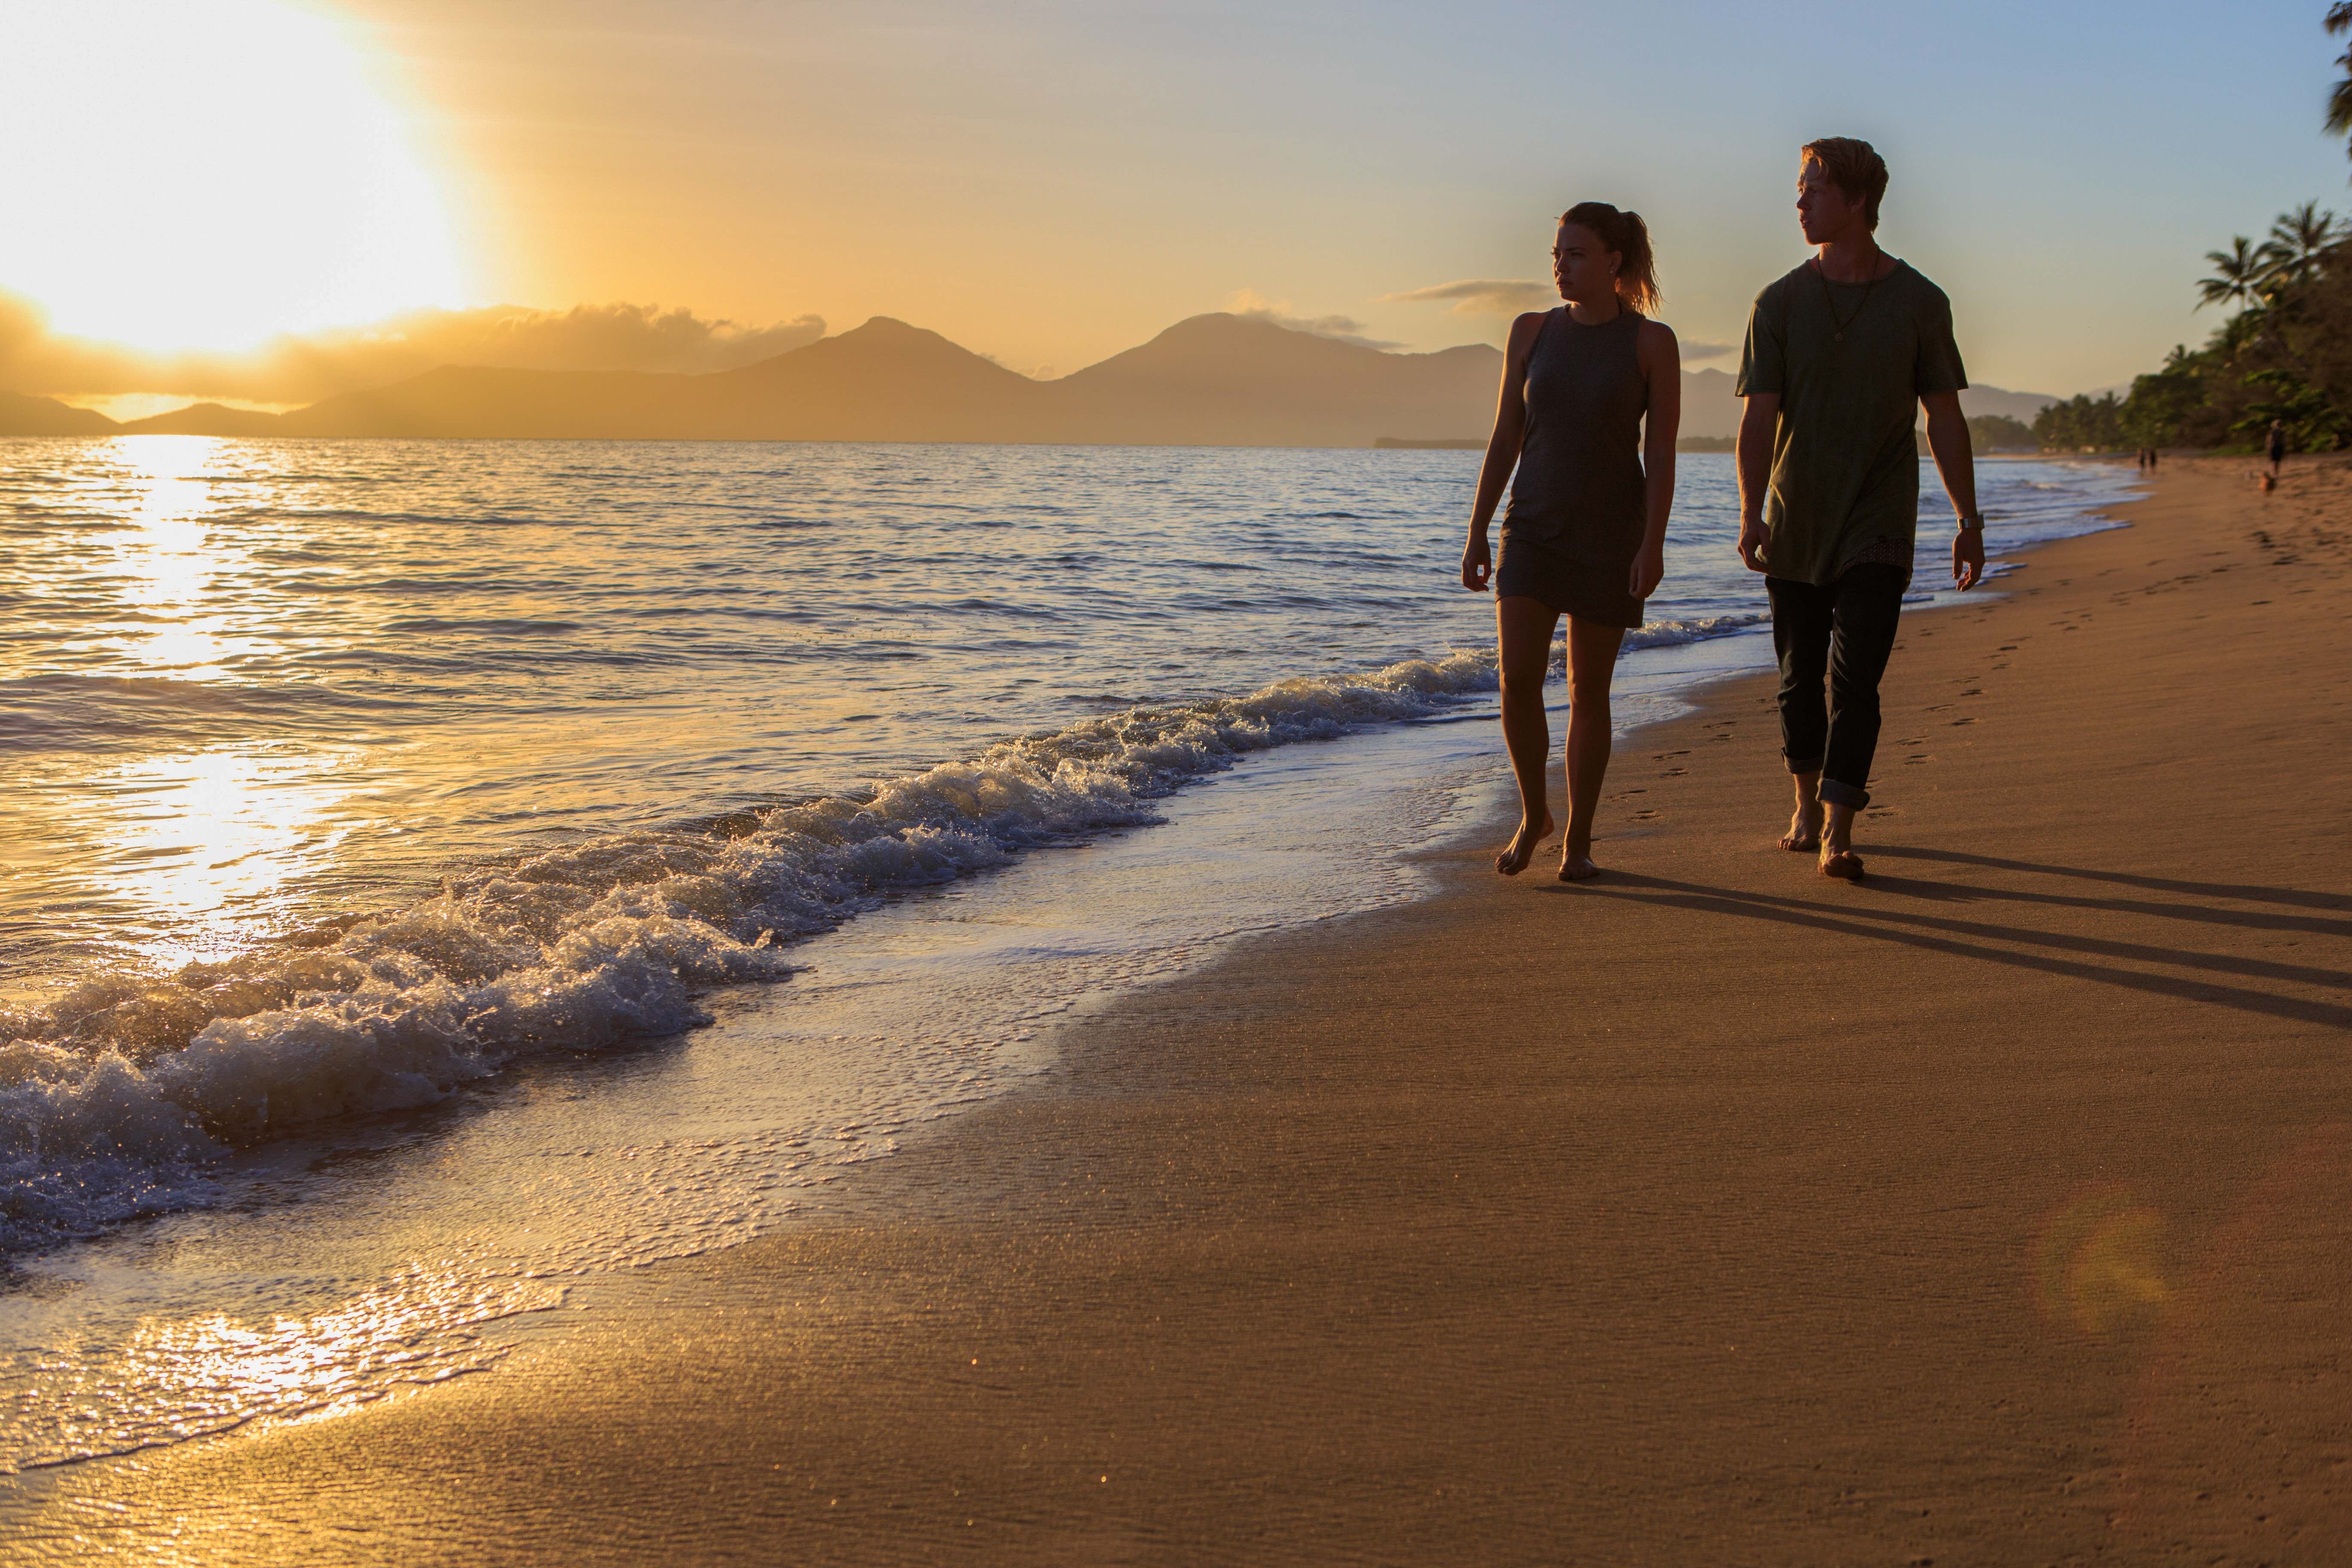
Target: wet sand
<point>1998,1209</point>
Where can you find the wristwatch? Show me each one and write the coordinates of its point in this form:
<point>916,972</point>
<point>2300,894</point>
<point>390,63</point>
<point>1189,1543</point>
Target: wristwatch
<point>1973,522</point>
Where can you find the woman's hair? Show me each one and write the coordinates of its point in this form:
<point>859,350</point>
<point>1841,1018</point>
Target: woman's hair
<point>1629,237</point>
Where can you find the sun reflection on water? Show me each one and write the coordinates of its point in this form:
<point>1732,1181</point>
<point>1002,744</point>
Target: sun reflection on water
<point>176,1379</point>
<point>202,843</point>
<point>197,836</point>
<point>172,560</point>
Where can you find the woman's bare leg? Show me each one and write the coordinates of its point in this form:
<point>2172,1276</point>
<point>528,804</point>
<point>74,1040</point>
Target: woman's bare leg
<point>1523,629</point>
<point>1592,661</point>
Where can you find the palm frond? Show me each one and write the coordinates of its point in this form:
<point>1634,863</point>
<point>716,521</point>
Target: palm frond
<point>2237,274</point>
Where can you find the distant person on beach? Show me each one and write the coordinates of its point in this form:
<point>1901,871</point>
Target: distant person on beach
<point>2274,448</point>
<point>1841,355</point>
<point>1586,533</point>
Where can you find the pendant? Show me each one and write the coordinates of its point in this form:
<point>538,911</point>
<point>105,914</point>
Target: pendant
<point>1838,337</point>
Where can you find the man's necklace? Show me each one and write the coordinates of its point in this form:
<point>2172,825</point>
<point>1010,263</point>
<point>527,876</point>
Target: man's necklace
<point>1831,299</point>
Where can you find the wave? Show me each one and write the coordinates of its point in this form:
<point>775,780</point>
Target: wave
<point>1669,634</point>
<point>118,1097</point>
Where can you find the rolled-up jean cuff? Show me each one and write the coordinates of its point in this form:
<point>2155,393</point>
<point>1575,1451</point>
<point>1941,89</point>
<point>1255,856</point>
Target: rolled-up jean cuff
<point>1844,794</point>
<point>1803,764</point>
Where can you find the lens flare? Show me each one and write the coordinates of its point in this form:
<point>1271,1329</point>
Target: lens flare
<point>2099,1263</point>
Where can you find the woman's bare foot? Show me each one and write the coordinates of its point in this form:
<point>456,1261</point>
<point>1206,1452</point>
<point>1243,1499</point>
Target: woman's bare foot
<point>1522,846</point>
<point>1842,864</point>
<point>1804,834</point>
<point>1578,869</point>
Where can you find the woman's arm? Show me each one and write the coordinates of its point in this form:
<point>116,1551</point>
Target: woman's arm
<point>1502,451</point>
<point>1660,360</point>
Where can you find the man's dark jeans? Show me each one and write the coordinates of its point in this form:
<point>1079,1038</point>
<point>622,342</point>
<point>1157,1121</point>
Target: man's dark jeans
<point>1844,630</point>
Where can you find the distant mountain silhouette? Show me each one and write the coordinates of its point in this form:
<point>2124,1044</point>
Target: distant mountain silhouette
<point>1978,401</point>
<point>22,415</point>
<point>1215,380</point>
<point>1231,381</point>
<point>206,419</point>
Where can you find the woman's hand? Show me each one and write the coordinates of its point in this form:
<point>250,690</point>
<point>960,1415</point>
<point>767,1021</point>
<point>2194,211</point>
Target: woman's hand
<point>1478,563</point>
<point>1649,570</point>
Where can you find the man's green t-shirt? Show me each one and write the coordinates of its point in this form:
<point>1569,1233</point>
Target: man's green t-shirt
<point>1851,362</point>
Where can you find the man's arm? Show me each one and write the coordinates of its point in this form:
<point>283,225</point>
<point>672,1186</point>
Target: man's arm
<point>1947,438</point>
<point>1756,427</point>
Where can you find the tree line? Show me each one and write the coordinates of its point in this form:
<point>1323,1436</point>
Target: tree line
<point>2282,352</point>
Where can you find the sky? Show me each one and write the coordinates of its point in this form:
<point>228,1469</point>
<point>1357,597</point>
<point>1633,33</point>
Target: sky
<point>689,183</point>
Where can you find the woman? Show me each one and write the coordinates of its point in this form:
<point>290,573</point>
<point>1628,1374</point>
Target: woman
<point>1586,534</point>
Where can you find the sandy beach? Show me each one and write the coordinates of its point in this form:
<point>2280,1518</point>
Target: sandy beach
<point>1992,1211</point>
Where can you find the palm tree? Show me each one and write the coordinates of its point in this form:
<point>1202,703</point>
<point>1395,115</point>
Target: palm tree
<point>2297,248</point>
<point>2339,99</point>
<point>2237,272</point>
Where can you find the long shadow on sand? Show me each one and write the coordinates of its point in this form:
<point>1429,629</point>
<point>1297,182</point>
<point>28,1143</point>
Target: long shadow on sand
<point>1971,939</point>
<point>2242,891</point>
<point>2203,914</point>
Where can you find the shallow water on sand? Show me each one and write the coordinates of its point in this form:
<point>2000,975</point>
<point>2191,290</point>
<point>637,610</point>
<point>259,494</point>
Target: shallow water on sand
<point>385,817</point>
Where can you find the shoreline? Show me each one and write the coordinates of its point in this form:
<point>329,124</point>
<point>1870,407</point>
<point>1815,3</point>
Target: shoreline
<point>1302,1256</point>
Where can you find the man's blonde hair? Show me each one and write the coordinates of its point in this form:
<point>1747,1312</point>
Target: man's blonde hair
<point>1853,167</point>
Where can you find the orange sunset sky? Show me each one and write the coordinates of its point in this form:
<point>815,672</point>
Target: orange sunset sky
<point>255,199</point>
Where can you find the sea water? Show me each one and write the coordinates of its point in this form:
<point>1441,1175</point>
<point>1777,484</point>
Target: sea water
<point>442,871</point>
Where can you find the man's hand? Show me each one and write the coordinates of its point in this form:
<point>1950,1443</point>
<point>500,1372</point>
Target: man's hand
<point>1753,538</point>
<point>1478,563</point>
<point>1967,558</point>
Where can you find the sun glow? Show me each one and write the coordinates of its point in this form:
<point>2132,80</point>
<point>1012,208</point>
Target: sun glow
<point>205,176</point>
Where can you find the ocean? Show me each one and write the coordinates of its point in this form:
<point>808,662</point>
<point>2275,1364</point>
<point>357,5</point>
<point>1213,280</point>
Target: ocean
<point>445,874</point>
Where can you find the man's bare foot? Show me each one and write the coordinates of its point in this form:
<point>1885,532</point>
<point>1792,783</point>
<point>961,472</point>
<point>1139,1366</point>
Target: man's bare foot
<point>1804,834</point>
<point>1522,846</point>
<point>1578,869</point>
<point>1842,864</point>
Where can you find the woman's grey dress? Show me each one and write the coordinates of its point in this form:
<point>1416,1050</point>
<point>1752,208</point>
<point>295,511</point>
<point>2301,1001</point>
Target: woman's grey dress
<point>1575,521</point>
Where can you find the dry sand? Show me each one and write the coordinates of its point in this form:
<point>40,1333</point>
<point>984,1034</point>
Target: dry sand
<point>1992,1211</point>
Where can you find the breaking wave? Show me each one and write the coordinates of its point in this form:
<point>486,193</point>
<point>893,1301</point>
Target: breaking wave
<point>117,1096</point>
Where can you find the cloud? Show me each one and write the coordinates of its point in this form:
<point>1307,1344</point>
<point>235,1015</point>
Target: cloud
<point>1249,304</point>
<point>1708,351</point>
<point>1482,295</point>
<point>296,370</point>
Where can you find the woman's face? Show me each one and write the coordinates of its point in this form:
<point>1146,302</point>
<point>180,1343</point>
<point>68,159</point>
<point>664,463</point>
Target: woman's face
<point>1586,273</point>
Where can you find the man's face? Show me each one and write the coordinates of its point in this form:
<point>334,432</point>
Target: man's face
<point>1824,210</point>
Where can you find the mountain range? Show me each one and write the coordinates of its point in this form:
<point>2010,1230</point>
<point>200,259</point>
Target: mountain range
<point>1216,379</point>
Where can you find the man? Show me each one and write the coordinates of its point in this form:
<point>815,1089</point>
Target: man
<point>1841,353</point>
